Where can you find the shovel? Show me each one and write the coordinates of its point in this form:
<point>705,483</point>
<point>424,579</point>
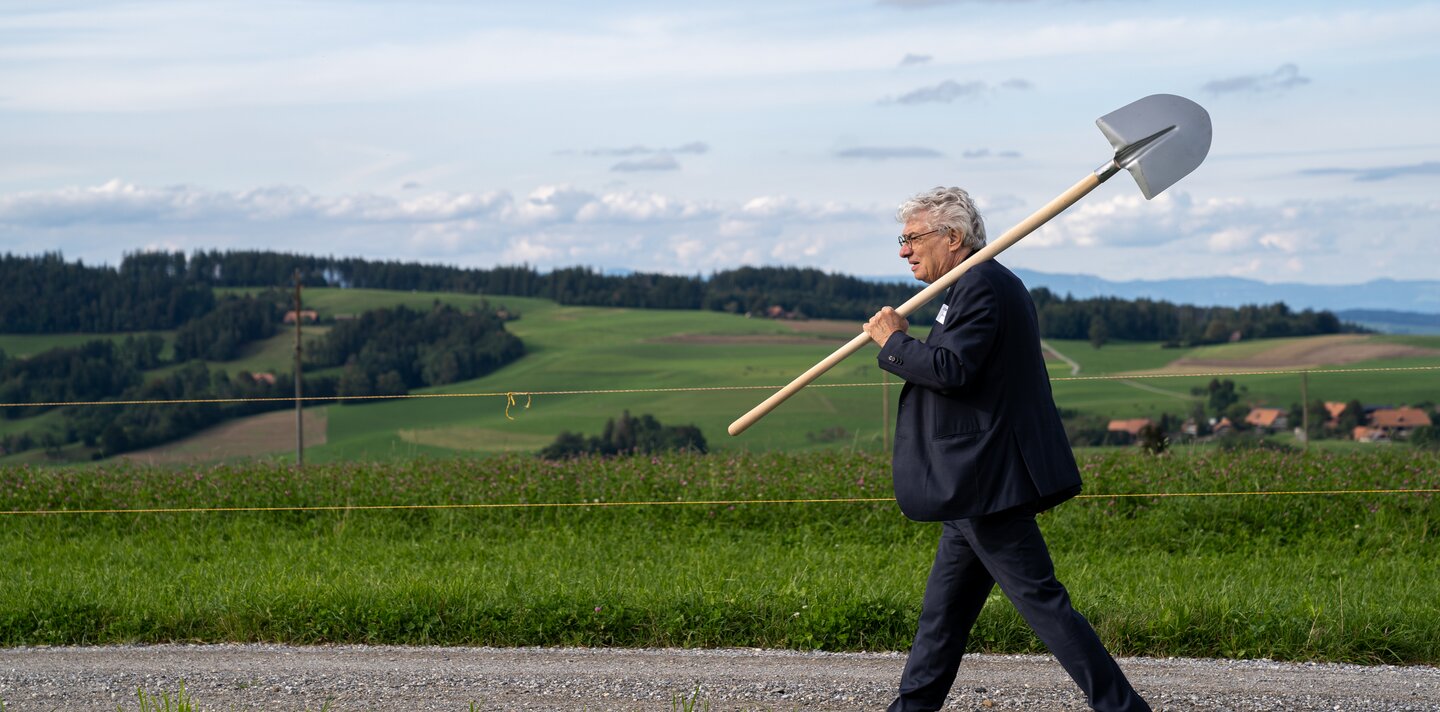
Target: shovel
<point>1159,139</point>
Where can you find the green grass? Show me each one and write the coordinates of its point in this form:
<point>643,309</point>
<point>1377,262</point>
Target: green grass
<point>1345,578</point>
<point>590,348</point>
<point>25,345</point>
<point>1116,356</point>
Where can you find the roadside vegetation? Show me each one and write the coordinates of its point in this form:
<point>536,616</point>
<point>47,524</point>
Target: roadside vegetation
<point>1294,577</point>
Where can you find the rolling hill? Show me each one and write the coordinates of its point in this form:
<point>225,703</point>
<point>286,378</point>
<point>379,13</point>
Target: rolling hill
<point>662,361</point>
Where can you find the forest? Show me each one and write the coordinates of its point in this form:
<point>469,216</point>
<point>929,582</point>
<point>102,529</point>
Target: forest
<point>167,290</point>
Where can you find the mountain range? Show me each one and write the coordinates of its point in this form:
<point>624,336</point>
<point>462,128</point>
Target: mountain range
<point>1387,305</point>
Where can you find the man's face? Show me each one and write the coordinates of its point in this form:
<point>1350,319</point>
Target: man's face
<point>932,255</point>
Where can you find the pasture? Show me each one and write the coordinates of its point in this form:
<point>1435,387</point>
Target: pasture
<point>588,348</point>
<point>645,352</point>
<point>1307,577</point>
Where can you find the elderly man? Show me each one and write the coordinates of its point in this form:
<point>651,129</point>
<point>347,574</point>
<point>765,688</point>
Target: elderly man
<point>979,447</point>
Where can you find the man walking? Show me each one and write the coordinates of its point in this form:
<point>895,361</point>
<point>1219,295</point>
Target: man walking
<point>979,447</point>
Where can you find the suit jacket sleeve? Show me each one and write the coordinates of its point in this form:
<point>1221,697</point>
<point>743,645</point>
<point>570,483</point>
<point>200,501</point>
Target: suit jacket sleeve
<point>956,350</point>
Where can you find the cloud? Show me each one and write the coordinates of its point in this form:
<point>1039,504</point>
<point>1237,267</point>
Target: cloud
<point>656,162</point>
<point>987,153</point>
<point>885,153</point>
<point>1121,235</point>
<point>694,147</point>
<point>950,90</point>
<point>1428,168</point>
<point>910,60</point>
<point>551,225</point>
<point>946,91</point>
<point>120,202</point>
<point>1285,78</point>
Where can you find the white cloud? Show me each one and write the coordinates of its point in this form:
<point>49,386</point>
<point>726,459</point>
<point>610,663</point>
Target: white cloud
<point>556,225</point>
<point>1231,239</point>
<point>1284,78</point>
<point>655,162</point>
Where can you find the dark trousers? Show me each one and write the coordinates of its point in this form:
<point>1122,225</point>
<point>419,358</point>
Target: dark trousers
<point>1005,548</point>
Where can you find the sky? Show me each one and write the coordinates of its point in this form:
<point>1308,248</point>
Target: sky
<point>691,137</point>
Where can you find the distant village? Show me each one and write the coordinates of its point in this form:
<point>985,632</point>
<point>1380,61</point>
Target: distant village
<point>1378,423</point>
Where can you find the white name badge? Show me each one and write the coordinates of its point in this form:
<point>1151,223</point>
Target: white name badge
<point>944,309</point>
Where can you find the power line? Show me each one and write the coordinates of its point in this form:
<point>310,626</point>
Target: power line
<point>681,389</point>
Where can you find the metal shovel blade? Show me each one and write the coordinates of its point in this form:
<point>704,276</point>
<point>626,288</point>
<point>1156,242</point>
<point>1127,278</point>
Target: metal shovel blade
<point>1159,139</point>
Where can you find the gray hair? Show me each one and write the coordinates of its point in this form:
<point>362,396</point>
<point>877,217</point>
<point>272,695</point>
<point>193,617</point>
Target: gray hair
<point>949,209</point>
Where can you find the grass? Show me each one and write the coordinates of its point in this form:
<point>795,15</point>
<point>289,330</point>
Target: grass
<point>25,345</point>
<point>591,348</point>
<point>1343,578</point>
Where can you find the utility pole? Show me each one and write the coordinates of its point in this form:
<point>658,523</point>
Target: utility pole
<point>1305,408</point>
<point>299,412</point>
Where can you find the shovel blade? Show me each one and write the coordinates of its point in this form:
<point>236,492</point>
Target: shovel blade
<point>1159,139</point>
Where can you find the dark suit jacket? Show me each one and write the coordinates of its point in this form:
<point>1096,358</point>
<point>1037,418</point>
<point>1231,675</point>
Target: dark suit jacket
<point>977,431</point>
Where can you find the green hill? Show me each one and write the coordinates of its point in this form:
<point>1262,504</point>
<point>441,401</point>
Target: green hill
<point>645,352</point>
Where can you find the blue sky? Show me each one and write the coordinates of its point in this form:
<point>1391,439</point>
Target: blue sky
<point>660,137</point>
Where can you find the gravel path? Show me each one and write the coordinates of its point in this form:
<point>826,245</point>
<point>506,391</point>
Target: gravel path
<point>277,677</point>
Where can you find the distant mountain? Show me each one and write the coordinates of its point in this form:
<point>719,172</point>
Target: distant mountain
<point>1387,294</point>
<point>1392,322</point>
<point>1421,296</point>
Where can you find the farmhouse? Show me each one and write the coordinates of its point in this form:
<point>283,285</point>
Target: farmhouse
<point>1267,418</point>
<point>309,315</point>
<point>1398,422</point>
<point>1131,426</point>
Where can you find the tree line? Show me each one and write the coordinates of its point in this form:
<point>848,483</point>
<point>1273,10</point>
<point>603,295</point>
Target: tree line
<point>168,290</point>
<point>785,292</point>
<point>388,351</point>
<point>1100,319</point>
<point>45,294</point>
<point>627,435</point>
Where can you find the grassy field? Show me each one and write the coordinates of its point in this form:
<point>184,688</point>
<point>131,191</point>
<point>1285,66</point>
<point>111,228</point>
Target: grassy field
<point>583,348</point>
<point>1339,577</point>
<point>587,348</point>
<point>24,345</point>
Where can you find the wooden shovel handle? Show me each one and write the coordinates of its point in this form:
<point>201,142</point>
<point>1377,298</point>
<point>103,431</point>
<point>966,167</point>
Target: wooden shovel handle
<point>995,247</point>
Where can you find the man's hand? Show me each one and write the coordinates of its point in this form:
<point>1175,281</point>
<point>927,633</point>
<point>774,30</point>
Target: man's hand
<point>885,322</point>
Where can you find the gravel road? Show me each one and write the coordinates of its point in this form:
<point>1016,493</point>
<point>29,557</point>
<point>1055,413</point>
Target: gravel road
<point>277,677</point>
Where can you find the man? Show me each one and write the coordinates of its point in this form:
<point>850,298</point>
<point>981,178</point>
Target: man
<point>979,447</point>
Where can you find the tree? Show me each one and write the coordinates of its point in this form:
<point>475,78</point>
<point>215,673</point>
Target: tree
<point>1152,439</point>
<point>1099,334</point>
<point>1202,422</point>
<point>1352,417</point>
<point>1236,412</point>
<point>626,435</point>
<point>1220,395</point>
<point>113,440</point>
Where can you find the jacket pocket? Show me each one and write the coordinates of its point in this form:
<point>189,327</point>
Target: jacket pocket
<point>952,422</point>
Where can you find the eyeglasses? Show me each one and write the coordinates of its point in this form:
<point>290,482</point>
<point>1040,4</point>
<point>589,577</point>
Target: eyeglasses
<point>907,239</point>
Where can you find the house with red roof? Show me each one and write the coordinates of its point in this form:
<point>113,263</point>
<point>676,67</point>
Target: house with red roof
<point>1398,422</point>
<point>1269,419</point>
